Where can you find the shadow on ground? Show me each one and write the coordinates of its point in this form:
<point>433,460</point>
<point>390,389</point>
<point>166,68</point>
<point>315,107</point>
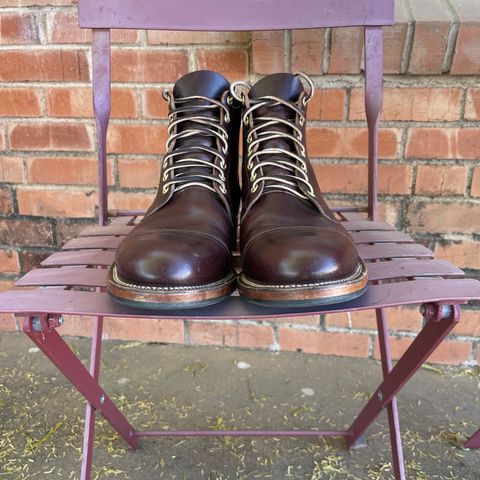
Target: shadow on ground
<point>160,386</point>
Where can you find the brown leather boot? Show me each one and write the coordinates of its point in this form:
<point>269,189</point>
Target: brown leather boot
<point>179,255</point>
<point>293,250</point>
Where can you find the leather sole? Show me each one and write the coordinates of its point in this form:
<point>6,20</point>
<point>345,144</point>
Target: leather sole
<point>157,297</point>
<point>319,293</point>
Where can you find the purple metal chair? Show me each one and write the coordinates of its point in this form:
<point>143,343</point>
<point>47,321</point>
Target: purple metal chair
<point>400,271</point>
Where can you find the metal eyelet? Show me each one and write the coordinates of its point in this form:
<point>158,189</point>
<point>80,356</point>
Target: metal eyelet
<point>226,119</point>
<point>223,189</point>
<point>253,177</point>
<point>249,165</point>
<point>165,177</point>
<point>230,100</point>
<point>165,189</point>
<point>254,187</point>
<point>225,150</point>
<point>301,121</point>
<point>223,164</point>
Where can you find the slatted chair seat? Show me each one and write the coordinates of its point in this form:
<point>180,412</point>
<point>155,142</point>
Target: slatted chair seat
<point>401,272</point>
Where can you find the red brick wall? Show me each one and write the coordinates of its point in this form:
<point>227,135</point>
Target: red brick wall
<point>429,146</point>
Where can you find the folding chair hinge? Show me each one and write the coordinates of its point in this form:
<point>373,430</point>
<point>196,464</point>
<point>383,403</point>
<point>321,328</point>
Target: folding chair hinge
<point>42,323</point>
<point>436,312</point>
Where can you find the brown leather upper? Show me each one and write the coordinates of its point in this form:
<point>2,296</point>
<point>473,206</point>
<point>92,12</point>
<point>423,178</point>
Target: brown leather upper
<point>186,236</point>
<point>286,239</point>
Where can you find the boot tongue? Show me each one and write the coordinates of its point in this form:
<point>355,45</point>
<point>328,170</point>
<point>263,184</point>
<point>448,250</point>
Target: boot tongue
<point>283,85</point>
<point>289,88</point>
<point>207,84</point>
<point>203,82</point>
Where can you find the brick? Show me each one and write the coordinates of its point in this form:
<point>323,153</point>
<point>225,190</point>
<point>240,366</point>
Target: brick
<point>65,170</point>
<point>412,104</point>
<point>475,191</point>
<point>389,211</point>
<point>448,353</point>
<point>26,233</point>
<point>36,3</point>
<point>268,52</point>
<point>399,319</point>
<point>154,105</point>
<point>394,38</point>
<point>443,218</point>
<point>158,37</point>
<point>307,51</point>
<point>66,230</point>
<point>448,143</point>
<point>7,323</point>
<point>466,60</point>
<point>139,172</point>
<point>62,27</point>
<point>2,136</point>
<point>148,66</point>
<point>77,102</point>
<point>56,203</point>
<point>144,138</point>
<point>6,202</point>
<point>327,104</point>
<point>146,330</point>
<point>393,179</point>
<point>232,63</point>
<point>300,320</point>
<point>6,285</point>
<point>9,262</point>
<point>50,136</point>
<point>433,22</point>
<point>343,142</point>
<point>250,336</point>
<point>31,260</point>
<point>11,170</point>
<point>346,50</point>
<point>441,180</point>
<point>19,102</point>
<point>19,28</point>
<point>44,65</point>
<point>464,254</point>
<point>344,344</point>
<point>467,51</point>
<point>130,201</point>
<point>77,326</point>
<point>469,324</point>
<point>472,105</point>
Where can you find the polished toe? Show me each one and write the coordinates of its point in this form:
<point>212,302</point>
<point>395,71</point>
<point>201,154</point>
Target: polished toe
<point>300,256</point>
<point>171,259</point>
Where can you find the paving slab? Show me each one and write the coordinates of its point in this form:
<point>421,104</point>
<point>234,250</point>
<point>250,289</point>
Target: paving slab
<point>160,386</point>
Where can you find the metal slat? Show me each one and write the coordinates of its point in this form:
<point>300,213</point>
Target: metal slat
<point>380,237</point>
<point>65,276</point>
<point>90,277</point>
<point>393,250</point>
<point>110,230</point>
<point>101,258</point>
<point>405,268</point>
<point>92,242</point>
<point>44,301</point>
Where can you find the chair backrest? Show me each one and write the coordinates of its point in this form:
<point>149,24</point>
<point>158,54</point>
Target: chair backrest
<point>229,15</point>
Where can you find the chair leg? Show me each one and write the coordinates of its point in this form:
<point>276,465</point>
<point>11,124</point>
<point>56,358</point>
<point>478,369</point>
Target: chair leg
<point>473,441</point>
<point>42,332</point>
<point>89,431</point>
<point>392,409</point>
<point>440,321</point>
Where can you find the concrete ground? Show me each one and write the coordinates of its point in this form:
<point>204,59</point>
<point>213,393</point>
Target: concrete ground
<point>160,386</point>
